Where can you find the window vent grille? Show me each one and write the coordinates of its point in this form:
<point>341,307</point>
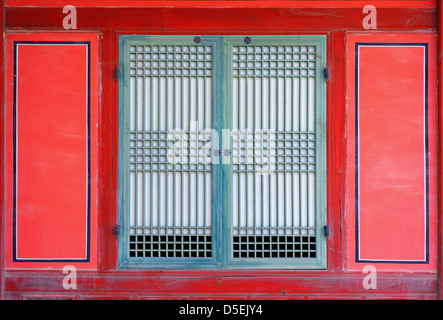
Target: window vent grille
<point>274,246</point>
<point>171,246</point>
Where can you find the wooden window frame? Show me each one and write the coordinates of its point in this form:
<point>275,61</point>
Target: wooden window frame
<point>222,173</point>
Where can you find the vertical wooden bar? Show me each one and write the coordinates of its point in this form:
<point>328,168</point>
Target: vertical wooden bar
<point>440,149</point>
<point>2,147</point>
<point>174,126</point>
<point>137,132</point>
<point>336,151</point>
<point>143,172</point>
<point>108,159</point>
<point>151,173</point>
<point>159,121</point>
<point>239,150</point>
<point>197,118</point>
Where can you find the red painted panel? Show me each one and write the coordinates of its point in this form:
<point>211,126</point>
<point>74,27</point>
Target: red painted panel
<point>392,129</point>
<point>392,173</point>
<point>51,150</point>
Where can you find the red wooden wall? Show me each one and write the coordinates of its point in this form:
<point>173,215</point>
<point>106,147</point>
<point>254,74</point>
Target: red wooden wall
<point>2,186</point>
<point>98,277</point>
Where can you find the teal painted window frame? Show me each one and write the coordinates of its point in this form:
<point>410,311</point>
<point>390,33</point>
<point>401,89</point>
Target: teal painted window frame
<point>222,230</point>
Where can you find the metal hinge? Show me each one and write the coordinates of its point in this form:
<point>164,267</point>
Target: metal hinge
<point>326,73</point>
<point>326,228</point>
<point>117,230</point>
<point>118,73</point>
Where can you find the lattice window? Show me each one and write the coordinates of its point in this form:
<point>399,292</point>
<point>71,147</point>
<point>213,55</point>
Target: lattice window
<point>192,195</point>
<point>169,205</point>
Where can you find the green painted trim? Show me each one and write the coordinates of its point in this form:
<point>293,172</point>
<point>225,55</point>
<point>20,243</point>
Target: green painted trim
<point>123,246</point>
<point>222,173</point>
<point>320,262</point>
<point>122,168</point>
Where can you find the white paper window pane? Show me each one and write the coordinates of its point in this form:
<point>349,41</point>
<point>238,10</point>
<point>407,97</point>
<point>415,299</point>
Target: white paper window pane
<point>170,168</point>
<point>273,152</point>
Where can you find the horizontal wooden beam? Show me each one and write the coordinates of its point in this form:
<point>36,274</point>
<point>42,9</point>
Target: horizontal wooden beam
<point>222,3</point>
<point>270,284</point>
<point>222,20</point>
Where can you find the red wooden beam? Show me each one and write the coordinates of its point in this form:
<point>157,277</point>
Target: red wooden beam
<point>221,3</point>
<point>440,151</point>
<point>2,150</point>
<point>232,284</point>
<point>336,119</point>
<point>212,20</point>
<point>108,151</point>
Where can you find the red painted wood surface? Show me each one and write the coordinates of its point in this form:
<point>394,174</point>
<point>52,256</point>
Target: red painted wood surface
<point>52,170</point>
<point>222,285</point>
<point>214,20</point>
<point>219,3</point>
<point>336,150</point>
<point>392,174</point>
<point>397,200</point>
<point>2,146</point>
<point>54,128</point>
<point>387,208</point>
<point>108,152</point>
<point>440,150</point>
<point>107,282</point>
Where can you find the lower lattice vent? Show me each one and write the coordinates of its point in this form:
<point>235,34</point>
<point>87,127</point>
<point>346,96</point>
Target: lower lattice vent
<point>274,246</point>
<point>170,246</point>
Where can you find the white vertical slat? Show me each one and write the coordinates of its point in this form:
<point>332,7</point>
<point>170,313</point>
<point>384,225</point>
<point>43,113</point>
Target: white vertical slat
<point>170,95</point>
<point>132,198</point>
<point>283,101</point>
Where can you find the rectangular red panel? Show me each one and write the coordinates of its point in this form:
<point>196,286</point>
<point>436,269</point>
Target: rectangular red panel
<point>52,152</point>
<point>391,150</point>
<point>392,153</point>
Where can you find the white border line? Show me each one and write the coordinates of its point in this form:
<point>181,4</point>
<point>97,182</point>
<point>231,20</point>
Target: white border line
<point>87,149</point>
<point>424,149</point>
